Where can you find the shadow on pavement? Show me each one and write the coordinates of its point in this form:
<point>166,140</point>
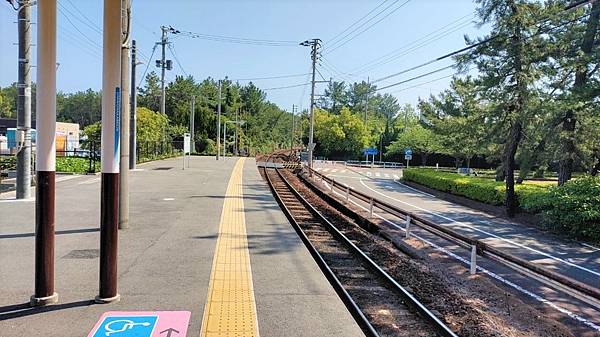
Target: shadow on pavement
<point>24,309</point>
<point>63,232</point>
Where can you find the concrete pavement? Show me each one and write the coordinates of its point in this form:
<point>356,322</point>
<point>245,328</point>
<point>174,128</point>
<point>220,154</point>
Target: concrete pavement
<point>165,258</point>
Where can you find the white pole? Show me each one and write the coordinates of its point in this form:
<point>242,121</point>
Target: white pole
<point>473,259</point>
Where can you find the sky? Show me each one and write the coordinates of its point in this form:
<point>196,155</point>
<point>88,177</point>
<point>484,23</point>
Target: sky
<point>362,39</point>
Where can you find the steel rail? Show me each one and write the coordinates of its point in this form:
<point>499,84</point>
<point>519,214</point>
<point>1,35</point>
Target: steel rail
<point>410,300</point>
<point>590,294</point>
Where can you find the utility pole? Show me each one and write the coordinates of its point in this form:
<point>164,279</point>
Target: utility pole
<point>192,117</point>
<point>133,113</point>
<point>24,103</point>
<point>219,123</point>
<point>293,126</point>
<point>125,117</point>
<point>235,147</point>
<point>315,44</point>
<point>164,64</point>
<point>111,108</point>
<point>367,101</point>
<point>45,155</point>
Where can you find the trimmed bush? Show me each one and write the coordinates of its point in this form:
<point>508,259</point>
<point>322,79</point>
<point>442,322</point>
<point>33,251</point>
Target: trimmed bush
<point>8,163</point>
<point>572,209</point>
<point>74,165</point>
<point>485,190</point>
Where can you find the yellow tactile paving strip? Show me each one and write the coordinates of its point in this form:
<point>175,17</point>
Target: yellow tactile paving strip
<point>230,309</point>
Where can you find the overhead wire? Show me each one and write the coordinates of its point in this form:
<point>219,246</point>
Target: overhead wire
<point>147,66</point>
<point>355,22</point>
<point>339,45</point>
<point>475,45</point>
<point>238,40</point>
<point>93,25</point>
<point>269,77</point>
<point>172,49</point>
<point>288,86</point>
<point>77,28</point>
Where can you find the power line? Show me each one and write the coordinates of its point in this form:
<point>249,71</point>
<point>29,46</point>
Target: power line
<point>172,49</point>
<point>238,40</point>
<point>77,29</point>
<point>92,23</point>
<point>369,27</point>
<point>147,66</point>
<point>269,77</point>
<point>414,45</point>
<point>289,86</point>
<point>355,22</point>
<point>415,78</point>
<point>483,42</point>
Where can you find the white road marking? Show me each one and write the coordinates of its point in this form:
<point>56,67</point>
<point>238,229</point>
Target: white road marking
<point>334,170</point>
<point>137,170</point>
<point>487,233</point>
<point>590,246</point>
<point>377,174</point>
<point>416,190</point>
<point>487,272</point>
<point>325,169</point>
<point>91,181</point>
<point>396,177</point>
<point>14,199</point>
<point>386,175</point>
<point>344,171</point>
<point>168,199</point>
<point>319,168</point>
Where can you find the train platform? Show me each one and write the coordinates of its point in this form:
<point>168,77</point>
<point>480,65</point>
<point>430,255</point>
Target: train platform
<point>208,248</point>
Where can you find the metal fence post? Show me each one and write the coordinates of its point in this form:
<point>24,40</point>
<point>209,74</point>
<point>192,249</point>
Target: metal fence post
<point>473,259</point>
<point>407,227</point>
<point>347,194</point>
<point>371,208</point>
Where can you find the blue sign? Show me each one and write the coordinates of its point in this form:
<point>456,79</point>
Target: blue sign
<point>408,152</point>
<point>370,151</point>
<point>126,326</point>
<point>117,153</point>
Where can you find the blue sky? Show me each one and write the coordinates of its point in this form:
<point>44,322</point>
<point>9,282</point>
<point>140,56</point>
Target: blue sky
<point>79,41</point>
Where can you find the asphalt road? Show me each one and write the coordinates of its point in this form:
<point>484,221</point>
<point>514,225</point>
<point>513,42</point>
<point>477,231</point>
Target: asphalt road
<point>577,260</point>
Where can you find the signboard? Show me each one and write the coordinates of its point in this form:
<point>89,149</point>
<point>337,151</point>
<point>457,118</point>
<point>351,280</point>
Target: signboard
<point>370,151</point>
<point>186,143</point>
<point>304,156</point>
<point>408,152</point>
<point>408,156</point>
<point>142,324</point>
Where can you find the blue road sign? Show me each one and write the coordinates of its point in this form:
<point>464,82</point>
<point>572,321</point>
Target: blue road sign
<point>370,151</point>
<point>126,326</point>
<point>408,152</point>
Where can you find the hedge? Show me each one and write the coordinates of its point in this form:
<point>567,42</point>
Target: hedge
<point>485,190</point>
<point>572,209</point>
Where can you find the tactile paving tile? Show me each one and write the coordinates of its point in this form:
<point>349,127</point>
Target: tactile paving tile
<point>230,309</point>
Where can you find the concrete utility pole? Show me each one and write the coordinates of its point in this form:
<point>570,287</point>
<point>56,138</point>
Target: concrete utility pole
<point>315,44</point>
<point>163,42</point>
<point>125,117</point>
<point>111,109</point>
<point>219,124</point>
<point>367,102</point>
<point>192,117</point>
<point>133,113</point>
<point>46,155</point>
<point>235,134</point>
<point>24,103</point>
<point>293,126</point>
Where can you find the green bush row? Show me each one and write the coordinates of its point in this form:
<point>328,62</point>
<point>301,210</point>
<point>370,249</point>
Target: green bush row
<point>485,190</point>
<point>75,165</point>
<point>572,209</point>
<point>8,163</point>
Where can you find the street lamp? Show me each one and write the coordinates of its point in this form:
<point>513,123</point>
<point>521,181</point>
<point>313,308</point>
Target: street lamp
<point>240,123</point>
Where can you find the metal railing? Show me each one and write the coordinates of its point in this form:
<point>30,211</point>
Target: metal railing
<point>477,247</point>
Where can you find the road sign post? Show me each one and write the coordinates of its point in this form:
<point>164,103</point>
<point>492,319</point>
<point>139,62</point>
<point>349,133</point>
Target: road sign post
<point>408,156</point>
<point>187,139</point>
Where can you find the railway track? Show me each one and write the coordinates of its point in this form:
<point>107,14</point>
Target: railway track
<point>378,303</point>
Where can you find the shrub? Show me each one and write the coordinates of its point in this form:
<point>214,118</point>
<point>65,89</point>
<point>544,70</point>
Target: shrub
<point>74,165</point>
<point>572,209</point>
<point>485,190</point>
<point>8,163</point>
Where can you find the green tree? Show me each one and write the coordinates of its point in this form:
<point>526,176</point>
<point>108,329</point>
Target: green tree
<point>81,107</point>
<point>419,139</point>
<point>149,95</point>
<point>150,125</point>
